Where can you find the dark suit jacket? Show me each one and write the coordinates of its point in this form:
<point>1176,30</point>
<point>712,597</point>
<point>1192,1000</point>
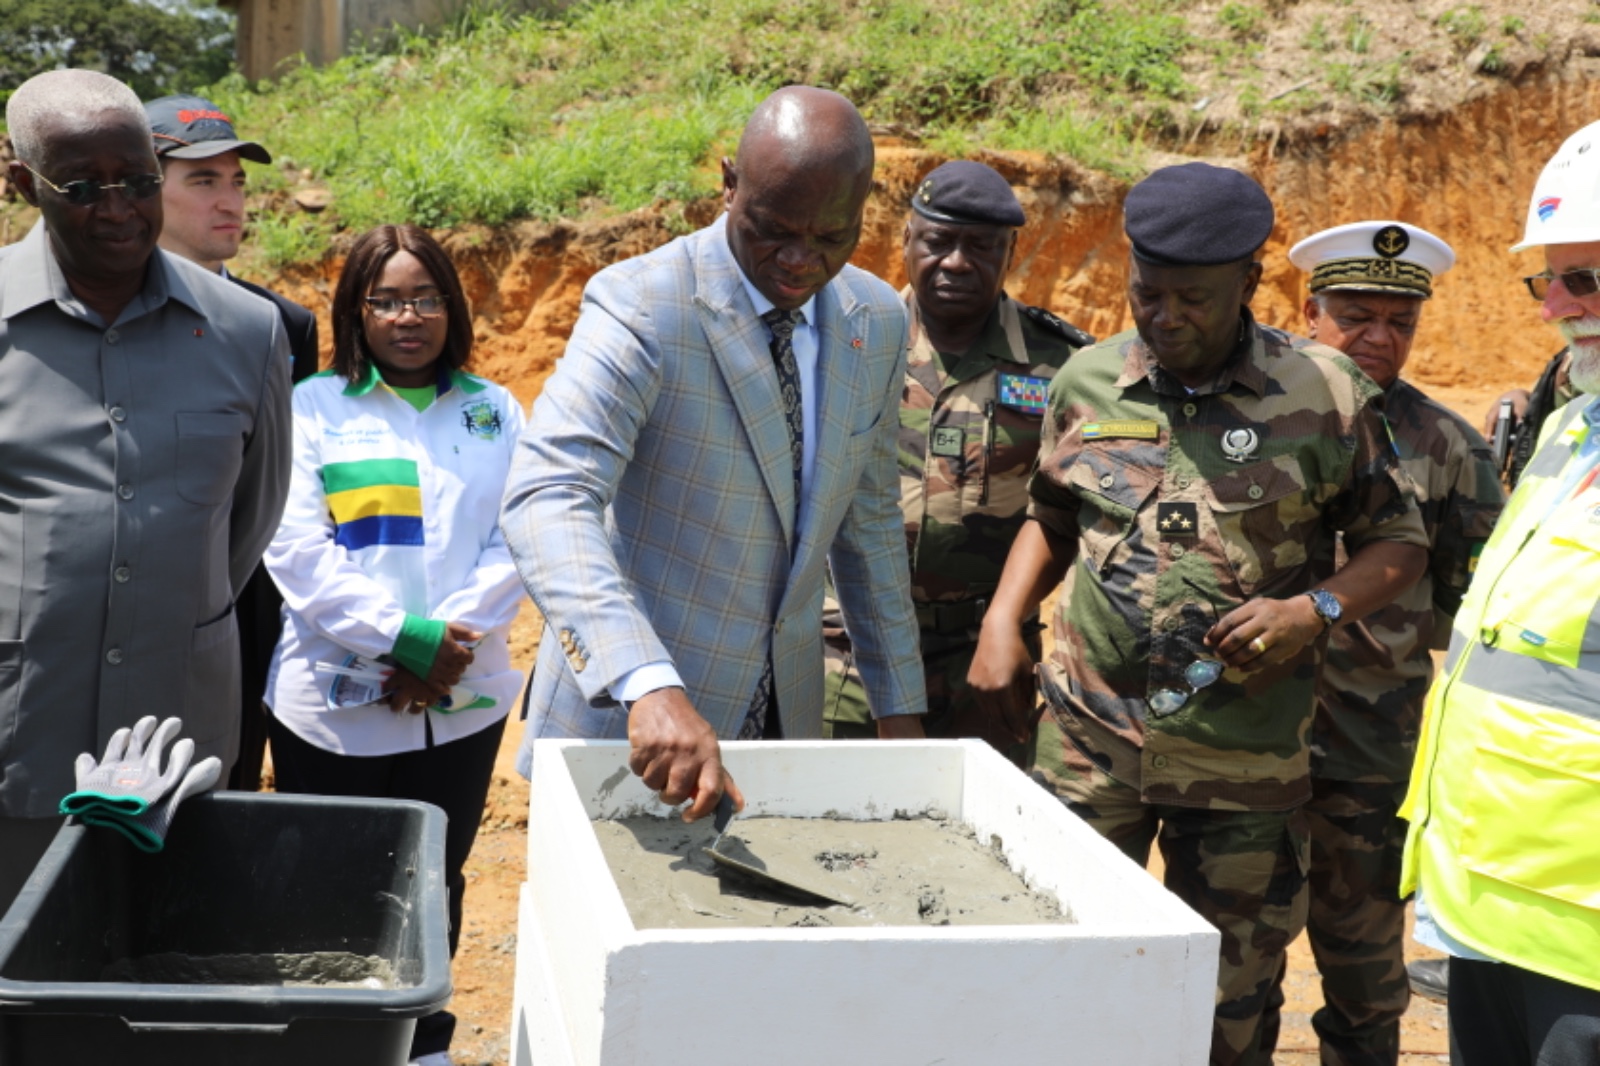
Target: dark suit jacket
<point>259,603</point>
<point>299,323</point>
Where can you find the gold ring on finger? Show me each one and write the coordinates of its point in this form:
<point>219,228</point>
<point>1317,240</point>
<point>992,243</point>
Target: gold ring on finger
<point>1258,646</point>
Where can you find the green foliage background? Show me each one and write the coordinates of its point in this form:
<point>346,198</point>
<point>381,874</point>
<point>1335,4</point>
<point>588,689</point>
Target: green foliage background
<point>155,50</point>
<point>614,104</point>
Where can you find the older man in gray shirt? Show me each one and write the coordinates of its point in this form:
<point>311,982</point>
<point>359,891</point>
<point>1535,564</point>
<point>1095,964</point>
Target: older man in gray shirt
<point>144,424</point>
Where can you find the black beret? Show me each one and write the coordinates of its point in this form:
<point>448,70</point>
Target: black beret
<point>1196,215</point>
<point>967,192</point>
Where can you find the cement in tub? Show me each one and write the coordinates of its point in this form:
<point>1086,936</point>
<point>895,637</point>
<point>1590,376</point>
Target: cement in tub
<point>284,930</point>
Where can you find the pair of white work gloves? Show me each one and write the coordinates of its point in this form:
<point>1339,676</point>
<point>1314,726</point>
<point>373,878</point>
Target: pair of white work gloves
<point>127,790</point>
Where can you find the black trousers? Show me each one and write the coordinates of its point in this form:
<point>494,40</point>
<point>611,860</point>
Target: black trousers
<point>1502,1015</point>
<point>257,612</point>
<point>454,777</point>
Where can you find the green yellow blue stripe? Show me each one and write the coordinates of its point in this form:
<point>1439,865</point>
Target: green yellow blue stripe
<point>373,502</point>
<point>354,504</point>
<point>365,473</point>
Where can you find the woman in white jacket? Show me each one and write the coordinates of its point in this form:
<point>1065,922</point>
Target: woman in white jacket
<point>393,676</point>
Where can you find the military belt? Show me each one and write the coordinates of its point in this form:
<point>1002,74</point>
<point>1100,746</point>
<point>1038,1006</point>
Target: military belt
<point>955,617</point>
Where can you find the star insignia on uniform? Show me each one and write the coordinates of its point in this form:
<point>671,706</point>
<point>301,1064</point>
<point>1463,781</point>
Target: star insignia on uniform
<point>1177,519</point>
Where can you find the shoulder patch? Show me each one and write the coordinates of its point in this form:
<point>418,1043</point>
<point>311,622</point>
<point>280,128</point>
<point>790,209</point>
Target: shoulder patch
<point>1070,333</point>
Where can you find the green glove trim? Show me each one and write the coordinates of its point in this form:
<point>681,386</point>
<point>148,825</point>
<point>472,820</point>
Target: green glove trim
<point>141,837</point>
<point>84,800</point>
<point>418,643</point>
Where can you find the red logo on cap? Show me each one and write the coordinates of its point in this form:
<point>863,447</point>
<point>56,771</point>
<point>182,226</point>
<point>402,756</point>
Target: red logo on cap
<point>187,117</point>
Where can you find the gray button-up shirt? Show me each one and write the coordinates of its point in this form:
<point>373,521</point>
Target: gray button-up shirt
<point>143,467</point>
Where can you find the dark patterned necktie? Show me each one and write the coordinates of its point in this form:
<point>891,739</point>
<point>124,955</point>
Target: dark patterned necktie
<point>782,325</point>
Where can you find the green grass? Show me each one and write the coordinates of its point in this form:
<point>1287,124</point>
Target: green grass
<point>617,104</point>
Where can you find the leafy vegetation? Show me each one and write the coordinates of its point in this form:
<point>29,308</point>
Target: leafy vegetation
<point>616,104</point>
<point>157,50</point>
<point>1466,24</point>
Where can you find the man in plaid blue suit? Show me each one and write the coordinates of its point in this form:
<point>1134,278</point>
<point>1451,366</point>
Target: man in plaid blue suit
<point>721,426</point>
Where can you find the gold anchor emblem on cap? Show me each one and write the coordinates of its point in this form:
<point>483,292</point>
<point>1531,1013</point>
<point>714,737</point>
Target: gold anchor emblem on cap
<point>1390,241</point>
<point>1239,445</point>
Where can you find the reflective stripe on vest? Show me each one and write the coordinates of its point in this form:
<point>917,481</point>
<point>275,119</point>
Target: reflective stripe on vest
<point>1570,690</point>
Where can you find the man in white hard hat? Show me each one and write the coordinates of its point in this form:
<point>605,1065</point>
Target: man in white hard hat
<point>1505,792</point>
<point>1368,284</point>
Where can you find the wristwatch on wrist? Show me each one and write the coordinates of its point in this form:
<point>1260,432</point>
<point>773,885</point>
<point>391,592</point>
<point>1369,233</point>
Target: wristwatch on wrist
<point>1326,604</point>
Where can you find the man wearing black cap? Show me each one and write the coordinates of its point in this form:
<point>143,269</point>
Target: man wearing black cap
<point>978,367</point>
<point>203,200</point>
<point>1198,467</point>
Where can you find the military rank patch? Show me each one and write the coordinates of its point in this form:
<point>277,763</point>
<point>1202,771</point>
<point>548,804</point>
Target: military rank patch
<point>1178,519</point>
<point>1023,393</point>
<point>948,442</point>
<point>1127,430</point>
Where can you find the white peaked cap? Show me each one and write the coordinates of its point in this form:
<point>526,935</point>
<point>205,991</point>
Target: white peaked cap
<point>1376,256</point>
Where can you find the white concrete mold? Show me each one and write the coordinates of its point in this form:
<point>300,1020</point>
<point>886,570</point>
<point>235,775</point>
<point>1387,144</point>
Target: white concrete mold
<point>1130,983</point>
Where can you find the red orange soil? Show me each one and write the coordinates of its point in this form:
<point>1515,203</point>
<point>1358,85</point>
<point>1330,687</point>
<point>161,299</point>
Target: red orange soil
<point>1465,175</point>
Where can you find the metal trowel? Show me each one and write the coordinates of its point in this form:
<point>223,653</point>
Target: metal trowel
<point>731,853</point>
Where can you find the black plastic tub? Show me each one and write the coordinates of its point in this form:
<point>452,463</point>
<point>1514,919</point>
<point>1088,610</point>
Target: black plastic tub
<point>242,874</point>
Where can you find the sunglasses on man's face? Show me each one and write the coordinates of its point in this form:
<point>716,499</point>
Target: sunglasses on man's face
<point>1585,281</point>
<point>84,192</point>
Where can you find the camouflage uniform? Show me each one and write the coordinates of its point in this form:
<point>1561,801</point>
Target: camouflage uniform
<point>969,439</point>
<point>1364,735</point>
<point>1183,506</point>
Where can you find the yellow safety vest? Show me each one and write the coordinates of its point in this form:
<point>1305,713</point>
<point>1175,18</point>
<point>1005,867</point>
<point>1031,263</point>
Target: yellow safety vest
<point>1504,803</point>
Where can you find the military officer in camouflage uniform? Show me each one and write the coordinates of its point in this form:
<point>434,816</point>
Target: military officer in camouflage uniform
<point>1196,470</point>
<point>977,374</point>
<point>1368,283</point>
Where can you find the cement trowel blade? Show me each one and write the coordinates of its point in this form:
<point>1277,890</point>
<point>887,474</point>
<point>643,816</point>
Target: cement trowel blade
<point>733,854</point>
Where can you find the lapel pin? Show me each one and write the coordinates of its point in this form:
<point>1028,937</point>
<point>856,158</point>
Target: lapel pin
<point>855,342</point>
<point>199,333</point>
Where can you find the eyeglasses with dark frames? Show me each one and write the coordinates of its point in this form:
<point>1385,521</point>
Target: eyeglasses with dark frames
<point>1196,676</point>
<point>391,307</point>
<point>84,192</point>
<point>1585,281</point>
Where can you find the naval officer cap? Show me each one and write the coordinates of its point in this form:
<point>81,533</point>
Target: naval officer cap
<point>1382,256</point>
<point>967,193</point>
<point>1196,215</point>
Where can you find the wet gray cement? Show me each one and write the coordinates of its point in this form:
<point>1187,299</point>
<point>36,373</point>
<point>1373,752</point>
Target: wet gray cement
<point>312,969</point>
<point>905,872</point>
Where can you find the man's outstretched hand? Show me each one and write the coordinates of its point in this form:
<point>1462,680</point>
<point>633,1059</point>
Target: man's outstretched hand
<point>676,752</point>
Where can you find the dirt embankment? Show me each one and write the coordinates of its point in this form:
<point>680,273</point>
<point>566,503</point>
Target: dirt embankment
<point>1466,176</point>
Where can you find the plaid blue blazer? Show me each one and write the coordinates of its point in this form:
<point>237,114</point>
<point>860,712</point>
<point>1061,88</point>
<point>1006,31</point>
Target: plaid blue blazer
<point>651,504</point>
